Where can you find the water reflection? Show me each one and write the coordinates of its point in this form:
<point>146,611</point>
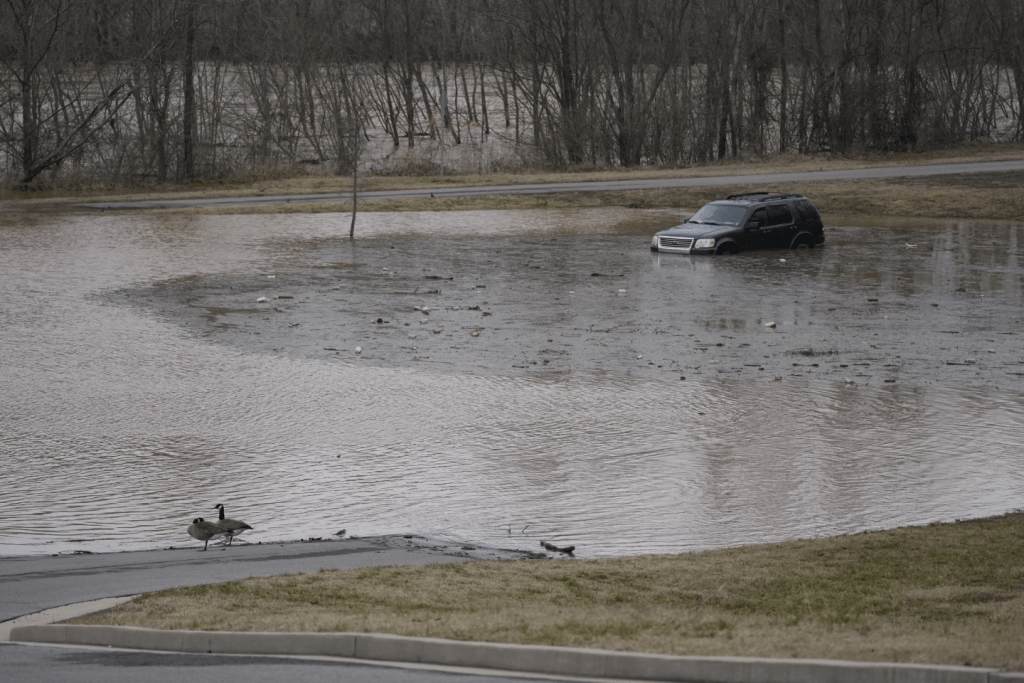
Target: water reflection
<point>117,428</point>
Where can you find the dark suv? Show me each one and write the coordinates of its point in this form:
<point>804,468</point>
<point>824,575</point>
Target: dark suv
<point>753,220</point>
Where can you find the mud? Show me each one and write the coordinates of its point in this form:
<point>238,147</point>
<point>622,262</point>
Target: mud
<point>919,304</point>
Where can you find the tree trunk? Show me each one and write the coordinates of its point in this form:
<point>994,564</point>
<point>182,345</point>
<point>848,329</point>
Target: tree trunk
<point>188,113</point>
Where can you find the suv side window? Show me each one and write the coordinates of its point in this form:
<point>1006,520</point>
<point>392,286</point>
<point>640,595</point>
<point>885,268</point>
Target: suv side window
<point>760,217</point>
<point>778,214</point>
<point>806,210</point>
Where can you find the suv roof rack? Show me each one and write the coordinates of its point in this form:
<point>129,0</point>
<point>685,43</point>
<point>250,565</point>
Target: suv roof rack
<point>764,196</point>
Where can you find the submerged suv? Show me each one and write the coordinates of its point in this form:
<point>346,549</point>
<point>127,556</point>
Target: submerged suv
<point>753,220</point>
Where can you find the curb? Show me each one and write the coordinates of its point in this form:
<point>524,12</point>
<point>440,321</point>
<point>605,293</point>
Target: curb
<point>62,613</point>
<point>560,661</point>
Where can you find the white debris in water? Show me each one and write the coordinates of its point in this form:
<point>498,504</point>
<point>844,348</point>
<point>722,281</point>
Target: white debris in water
<point>771,324</point>
<point>261,300</point>
<point>359,349</point>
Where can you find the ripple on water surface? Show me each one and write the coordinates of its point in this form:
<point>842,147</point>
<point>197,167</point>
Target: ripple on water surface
<point>117,428</point>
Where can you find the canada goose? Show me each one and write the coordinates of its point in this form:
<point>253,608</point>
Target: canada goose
<point>234,526</point>
<point>201,530</point>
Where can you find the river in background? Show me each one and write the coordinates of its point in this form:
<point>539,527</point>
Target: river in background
<point>119,426</point>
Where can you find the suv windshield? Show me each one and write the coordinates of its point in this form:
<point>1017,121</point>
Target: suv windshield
<point>719,214</point>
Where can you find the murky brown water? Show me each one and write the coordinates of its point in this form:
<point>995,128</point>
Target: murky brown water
<point>120,423</point>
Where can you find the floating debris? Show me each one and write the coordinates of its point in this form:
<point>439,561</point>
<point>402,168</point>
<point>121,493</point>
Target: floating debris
<point>555,549</point>
<point>359,349</point>
<point>771,324</point>
<point>261,300</point>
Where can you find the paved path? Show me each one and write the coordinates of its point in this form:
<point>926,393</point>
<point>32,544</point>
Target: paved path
<point>33,583</point>
<point>759,180</point>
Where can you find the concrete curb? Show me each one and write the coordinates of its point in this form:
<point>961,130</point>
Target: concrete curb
<point>560,661</point>
<point>62,613</point>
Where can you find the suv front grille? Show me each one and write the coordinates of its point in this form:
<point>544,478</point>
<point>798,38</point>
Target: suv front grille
<point>675,243</point>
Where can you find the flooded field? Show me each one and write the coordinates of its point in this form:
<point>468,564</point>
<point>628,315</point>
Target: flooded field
<point>141,380</point>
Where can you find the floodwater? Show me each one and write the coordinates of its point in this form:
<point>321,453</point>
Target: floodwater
<point>141,383</point>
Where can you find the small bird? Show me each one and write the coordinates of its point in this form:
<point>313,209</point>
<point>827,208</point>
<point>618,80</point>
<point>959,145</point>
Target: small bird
<point>234,527</point>
<point>201,530</point>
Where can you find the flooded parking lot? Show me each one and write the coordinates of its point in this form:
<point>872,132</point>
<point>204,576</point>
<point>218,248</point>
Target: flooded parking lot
<point>519,376</point>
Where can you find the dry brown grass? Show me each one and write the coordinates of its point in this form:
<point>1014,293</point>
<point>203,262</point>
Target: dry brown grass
<point>942,594</point>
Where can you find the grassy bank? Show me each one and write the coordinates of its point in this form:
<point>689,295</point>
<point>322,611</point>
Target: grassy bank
<point>943,594</point>
<point>985,196</point>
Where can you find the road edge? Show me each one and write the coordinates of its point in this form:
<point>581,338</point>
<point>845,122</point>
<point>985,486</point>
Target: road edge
<point>560,661</point>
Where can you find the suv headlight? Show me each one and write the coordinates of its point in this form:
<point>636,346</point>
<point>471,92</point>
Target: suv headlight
<point>654,241</point>
<point>704,244</point>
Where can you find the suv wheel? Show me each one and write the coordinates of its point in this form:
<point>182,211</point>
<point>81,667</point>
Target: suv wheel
<point>803,242</point>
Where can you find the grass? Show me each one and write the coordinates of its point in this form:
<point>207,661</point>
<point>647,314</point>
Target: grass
<point>933,198</point>
<point>940,594</point>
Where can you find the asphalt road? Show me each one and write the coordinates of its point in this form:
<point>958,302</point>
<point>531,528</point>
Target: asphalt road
<point>30,584</point>
<point>41,664</point>
<point>597,186</point>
